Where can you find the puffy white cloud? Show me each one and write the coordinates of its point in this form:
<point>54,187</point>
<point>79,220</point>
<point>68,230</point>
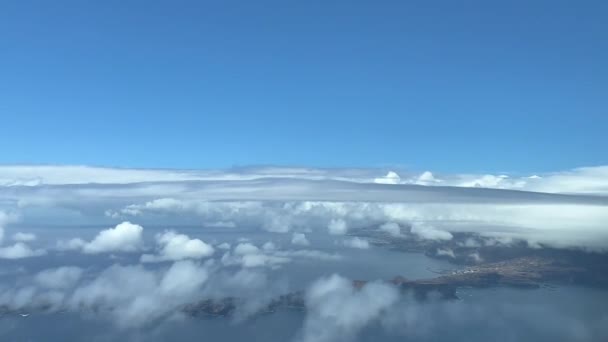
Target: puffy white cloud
<point>476,257</point>
<point>224,245</point>
<point>427,232</point>
<point>427,178</point>
<point>356,242</point>
<point>246,248</point>
<point>446,252</point>
<point>390,178</point>
<point>248,255</point>
<point>24,237</point>
<point>174,246</point>
<point>299,239</point>
<point>181,278</point>
<point>336,310</point>
<point>269,246</point>
<point>125,237</point>
<point>59,278</point>
<point>130,295</point>
<point>71,244</point>
<point>133,295</point>
<point>19,250</point>
<point>337,227</point>
<point>162,204</point>
<point>391,228</point>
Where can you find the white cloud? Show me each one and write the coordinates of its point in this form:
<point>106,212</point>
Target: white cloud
<point>174,246</point>
<point>269,246</point>
<point>133,295</point>
<point>475,257</point>
<point>125,237</point>
<point>337,227</point>
<point>19,250</point>
<point>298,202</point>
<point>246,248</point>
<point>356,242</point>
<point>427,232</point>
<point>224,245</point>
<point>555,220</point>
<point>336,310</point>
<point>427,178</point>
<point>390,178</point>
<point>248,255</point>
<point>59,278</point>
<point>71,245</point>
<point>299,239</point>
<point>446,252</point>
<point>391,228</point>
<point>24,237</point>
<point>579,180</point>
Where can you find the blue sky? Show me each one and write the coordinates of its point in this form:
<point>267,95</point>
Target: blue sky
<point>457,87</point>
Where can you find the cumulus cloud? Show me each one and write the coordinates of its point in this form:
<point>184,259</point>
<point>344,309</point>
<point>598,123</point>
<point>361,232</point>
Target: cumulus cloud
<point>337,227</point>
<point>356,242</point>
<point>24,237</point>
<point>336,310</point>
<point>476,257</point>
<point>299,239</point>
<point>541,219</point>
<point>269,246</point>
<point>427,232</point>
<point>427,178</point>
<point>446,252</point>
<point>246,248</point>
<point>249,255</point>
<point>71,244</point>
<point>391,228</point>
<point>19,251</point>
<point>174,246</point>
<point>224,245</point>
<point>390,178</point>
<point>125,237</point>
<point>133,295</point>
<point>59,278</point>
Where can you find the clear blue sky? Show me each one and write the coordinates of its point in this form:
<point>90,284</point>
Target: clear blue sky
<point>440,85</point>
